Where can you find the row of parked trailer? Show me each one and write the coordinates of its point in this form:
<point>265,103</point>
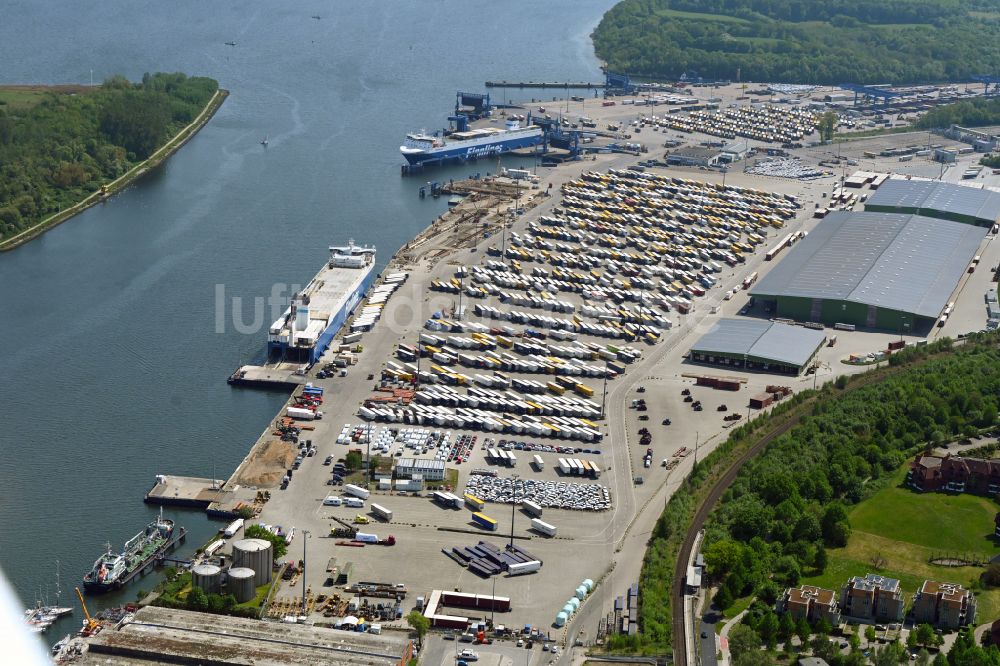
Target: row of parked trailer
<point>579,467</point>
<point>371,311</point>
<point>759,122</point>
<point>557,427</point>
<point>510,402</point>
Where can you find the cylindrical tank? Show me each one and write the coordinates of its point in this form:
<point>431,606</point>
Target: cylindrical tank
<point>568,610</point>
<point>208,577</point>
<point>574,602</point>
<point>589,584</point>
<point>239,583</point>
<point>581,592</point>
<point>254,554</point>
<point>561,619</point>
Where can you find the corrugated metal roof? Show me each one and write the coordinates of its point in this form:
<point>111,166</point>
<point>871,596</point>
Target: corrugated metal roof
<point>930,196</point>
<point>908,263</point>
<point>782,343</point>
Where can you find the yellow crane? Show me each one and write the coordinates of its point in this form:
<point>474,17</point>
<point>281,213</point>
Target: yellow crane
<point>90,625</point>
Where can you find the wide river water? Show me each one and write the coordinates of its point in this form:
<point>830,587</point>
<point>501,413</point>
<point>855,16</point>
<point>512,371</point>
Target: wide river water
<point>112,369</point>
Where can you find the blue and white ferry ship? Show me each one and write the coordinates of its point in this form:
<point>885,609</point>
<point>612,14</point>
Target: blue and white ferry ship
<point>421,148</point>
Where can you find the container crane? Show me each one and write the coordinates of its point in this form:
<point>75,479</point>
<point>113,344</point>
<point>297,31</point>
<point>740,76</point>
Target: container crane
<point>90,625</point>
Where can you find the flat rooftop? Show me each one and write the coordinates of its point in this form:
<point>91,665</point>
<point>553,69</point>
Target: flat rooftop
<point>934,198</point>
<point>756,338</point>
<point>908,263</point>
<point>168,636</point>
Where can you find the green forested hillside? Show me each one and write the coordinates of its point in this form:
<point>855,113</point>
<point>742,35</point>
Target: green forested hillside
<point>801,41</point>
<point>57,148</point>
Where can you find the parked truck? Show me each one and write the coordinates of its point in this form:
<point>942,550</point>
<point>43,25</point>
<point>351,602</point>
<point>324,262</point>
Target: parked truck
<point>531,508</point>
<point>233,528</point>
<point>540,526</point>
<point>521,568</point>
<point>303,414</point>
<point>357,491</point>
<point>485,521</point>
<point>363,537</point>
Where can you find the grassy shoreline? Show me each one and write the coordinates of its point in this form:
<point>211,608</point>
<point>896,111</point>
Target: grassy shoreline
<point>133,174</point>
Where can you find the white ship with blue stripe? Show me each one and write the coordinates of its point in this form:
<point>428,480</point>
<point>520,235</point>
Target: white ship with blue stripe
<point>469,145</point>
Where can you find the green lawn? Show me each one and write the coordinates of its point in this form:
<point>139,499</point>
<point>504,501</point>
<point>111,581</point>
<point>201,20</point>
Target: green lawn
<point>896,533</point>
<point>938,521</point>
<point>20,97</point>
<point>699,16</point>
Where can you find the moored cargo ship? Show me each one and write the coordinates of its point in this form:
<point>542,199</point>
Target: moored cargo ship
<point>421,148</point>
<point>113,570</point>
<point>305,329</point>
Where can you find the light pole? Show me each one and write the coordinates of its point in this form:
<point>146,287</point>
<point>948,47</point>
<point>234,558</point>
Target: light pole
<point>513,508</point>
<point>368,457</point>
<point>305,537</point>
<point>493,606</point>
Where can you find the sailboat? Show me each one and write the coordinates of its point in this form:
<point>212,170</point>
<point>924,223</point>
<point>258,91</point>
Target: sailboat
<point>43,616</point>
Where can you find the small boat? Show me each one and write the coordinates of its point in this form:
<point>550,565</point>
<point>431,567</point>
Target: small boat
<point>317,17</point>
<point>230,43</point>
<point>263,141</point>
<point>43,616</point>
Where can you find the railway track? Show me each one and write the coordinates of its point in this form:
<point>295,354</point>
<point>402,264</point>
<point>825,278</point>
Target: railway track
<point>700,517</point>
<point>720,487</point>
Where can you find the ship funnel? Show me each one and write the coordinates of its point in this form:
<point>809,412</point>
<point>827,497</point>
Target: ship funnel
<point>300,308</point>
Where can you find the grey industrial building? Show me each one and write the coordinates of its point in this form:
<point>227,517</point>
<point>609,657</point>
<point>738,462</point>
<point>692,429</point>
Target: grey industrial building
<point>877,270</point>
<point>694,156</point>
<point>931,198</point>
<point>756,344</point>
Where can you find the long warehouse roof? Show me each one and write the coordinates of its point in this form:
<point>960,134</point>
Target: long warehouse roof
<point>772,341</point>
<point>929,196</point>
<point>907,263</point>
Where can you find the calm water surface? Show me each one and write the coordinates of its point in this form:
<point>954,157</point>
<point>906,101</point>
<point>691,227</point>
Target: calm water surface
<point>112,370</point>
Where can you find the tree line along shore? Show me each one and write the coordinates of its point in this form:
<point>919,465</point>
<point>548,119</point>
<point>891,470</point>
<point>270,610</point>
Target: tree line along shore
<point>63,148</point>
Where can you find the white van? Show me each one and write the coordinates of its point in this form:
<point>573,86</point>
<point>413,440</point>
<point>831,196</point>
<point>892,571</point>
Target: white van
<point>354,502</point>
<point>332,500</point>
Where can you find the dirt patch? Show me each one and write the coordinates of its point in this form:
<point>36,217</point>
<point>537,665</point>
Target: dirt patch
<point>266,464</point>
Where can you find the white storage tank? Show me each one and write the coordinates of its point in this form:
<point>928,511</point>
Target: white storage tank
<point>589,584</point>
<point>581,592</point>
<point>561,618</point>
<point>256,554</point>
<point>208,577</point>
<point>239,583</point>
<point>573,603</point>
<point>568,609</point>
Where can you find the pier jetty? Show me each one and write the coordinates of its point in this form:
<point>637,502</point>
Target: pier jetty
<point>544,84</point>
